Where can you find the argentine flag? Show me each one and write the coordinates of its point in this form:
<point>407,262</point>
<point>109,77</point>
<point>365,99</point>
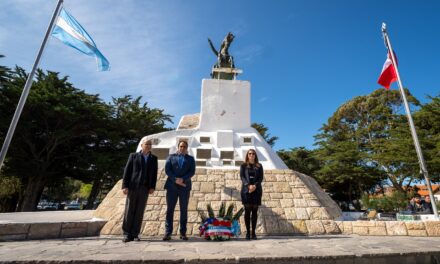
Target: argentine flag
<point>69,31</point>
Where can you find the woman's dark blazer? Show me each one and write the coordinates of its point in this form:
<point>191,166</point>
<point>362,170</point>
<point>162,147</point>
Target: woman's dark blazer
<point>244,176</point>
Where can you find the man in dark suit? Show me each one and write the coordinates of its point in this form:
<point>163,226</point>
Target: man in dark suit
<point>140,176</point>
<point>180,167</point>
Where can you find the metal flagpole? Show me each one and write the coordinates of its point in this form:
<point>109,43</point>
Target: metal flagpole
<point>26,88</point>
<point>411,123</point>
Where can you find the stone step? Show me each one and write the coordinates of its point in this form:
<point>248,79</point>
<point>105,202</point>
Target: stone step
<point>49,224</point>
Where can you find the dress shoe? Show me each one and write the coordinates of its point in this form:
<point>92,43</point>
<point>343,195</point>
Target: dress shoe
<point>183,237</point>
<point>166,237</point>
<point>248,236</point>
<point>254,236</point>
<point>127,239</point>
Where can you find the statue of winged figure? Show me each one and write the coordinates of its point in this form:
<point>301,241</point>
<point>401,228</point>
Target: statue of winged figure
<point>224,60</point>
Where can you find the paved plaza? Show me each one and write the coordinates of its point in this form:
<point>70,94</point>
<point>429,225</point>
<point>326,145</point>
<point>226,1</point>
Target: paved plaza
<point>282,249</point>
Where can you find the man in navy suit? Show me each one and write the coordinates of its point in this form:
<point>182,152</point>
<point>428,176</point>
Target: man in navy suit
<point>140,176</point>
<point>180,167</point>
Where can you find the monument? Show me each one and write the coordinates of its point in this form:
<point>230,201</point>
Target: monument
<point>219,137</point>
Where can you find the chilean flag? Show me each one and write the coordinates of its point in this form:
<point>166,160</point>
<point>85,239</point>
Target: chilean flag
<point>388,74</point>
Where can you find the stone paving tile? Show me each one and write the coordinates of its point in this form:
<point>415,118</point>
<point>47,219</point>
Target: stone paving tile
<point>197,250</point>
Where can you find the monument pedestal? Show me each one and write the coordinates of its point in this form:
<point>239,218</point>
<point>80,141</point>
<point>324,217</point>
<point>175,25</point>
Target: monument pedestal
<point>225,73</point>
<point>225,105</point>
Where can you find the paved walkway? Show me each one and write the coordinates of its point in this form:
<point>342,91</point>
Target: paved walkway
<point>46,216</point>
<point>312,249</point>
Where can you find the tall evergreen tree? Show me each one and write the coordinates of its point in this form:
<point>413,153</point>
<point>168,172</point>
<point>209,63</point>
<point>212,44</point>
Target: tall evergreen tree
<point>64,132</point>
<point>129,120</point>
<point>367,140</point>
<point>56,124</point>
<point>428,120</point>
<point>300,159</point>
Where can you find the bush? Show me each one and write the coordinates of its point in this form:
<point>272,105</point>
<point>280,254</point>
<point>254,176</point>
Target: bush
<point>9,193</point>
<point>9,186</point>
<point>394,203</point>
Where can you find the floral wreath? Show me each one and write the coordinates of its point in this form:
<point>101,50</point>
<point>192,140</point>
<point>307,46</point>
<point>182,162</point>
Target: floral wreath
<point>222,227</point>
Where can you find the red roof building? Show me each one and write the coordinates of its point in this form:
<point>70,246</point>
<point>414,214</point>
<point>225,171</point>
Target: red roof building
<point>422,190</point>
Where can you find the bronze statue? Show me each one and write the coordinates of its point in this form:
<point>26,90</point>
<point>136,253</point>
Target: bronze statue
<point>224,60</point>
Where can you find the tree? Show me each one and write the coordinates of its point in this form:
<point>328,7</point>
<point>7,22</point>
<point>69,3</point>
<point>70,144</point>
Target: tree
<point>57,123</point>
<point>263,130</point>
<point>5,73</point>
<point>395,202</point>
<point>61,189</point>
<point>9,186</point>
<point>343,173</point>
<point>427,120</point>
<point>84,191</point>
<point>300,159</point>
<point>366,141</point>
<point>64,132</point>
<point>129,120</point>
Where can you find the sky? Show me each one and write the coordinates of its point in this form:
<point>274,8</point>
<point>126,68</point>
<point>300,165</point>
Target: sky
<point>303,58</point>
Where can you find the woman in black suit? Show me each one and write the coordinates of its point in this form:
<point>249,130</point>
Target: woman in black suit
<point>251,174</point>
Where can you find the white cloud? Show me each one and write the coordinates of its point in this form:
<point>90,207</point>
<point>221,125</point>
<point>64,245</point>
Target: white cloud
<point>262,99</point>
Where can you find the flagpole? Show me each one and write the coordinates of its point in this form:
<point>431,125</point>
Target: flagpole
<point>422,163</point>
<point>26,88</point>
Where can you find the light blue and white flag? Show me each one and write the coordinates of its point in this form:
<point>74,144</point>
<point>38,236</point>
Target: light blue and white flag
<point>69,31</point>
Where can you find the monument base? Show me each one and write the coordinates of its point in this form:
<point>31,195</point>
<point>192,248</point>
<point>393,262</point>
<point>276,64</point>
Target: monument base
<point>292,203</point>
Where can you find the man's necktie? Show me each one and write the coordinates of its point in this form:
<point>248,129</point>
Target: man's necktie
<point>180,161</point>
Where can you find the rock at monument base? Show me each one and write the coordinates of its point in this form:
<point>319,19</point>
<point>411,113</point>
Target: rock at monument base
<point>285,207</point>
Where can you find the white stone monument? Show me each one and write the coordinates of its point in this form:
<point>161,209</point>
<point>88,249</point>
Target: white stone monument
<point>221,134</point>
<point>219,137</point>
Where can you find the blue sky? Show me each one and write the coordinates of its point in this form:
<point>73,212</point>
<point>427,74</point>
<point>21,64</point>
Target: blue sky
<point>303,58</point>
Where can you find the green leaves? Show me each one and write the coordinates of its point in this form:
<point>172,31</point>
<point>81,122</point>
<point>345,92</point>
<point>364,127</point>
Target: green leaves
<point>210,211</point>
<point>221,211</point>
<point>300,159</point>
<point>65,132</point>
<point>427,119</point>
<point>238,214</point>
<point>226,214</point>
<point>263,130</point>
<point>367,141</point>
<point>229,212</point>
<point>394,203</point>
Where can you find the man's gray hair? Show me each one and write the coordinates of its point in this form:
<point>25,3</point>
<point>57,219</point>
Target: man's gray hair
<point>145,140</point>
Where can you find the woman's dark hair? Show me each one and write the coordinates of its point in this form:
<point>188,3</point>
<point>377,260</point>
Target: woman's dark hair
<point>257,164</point>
